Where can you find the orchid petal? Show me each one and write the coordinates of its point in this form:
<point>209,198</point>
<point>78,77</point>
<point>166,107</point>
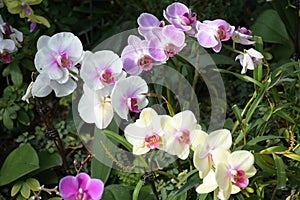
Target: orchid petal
<point>220,138</point>
<point>95,188</point>
<point>68,186</point>
<point>63,89</point>
<point>209,183</point>
<point>41,86</point>
<point>241,159</point>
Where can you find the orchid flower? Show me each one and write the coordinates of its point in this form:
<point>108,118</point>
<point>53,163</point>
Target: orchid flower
<point>210,184</point>
<point>181,17</point>
<point>242,36</point>
<point>101,69</point>
<point>136,56</point>
<point>179,133</point>
<point>95,107</point>
<point>81,187</point>
<point>205,151</point>
<point>166,42</point>
<point>234,171</point>
<point>7,46</point>
<point>145,134</point>
<point>128,95</point>
<point>212,33</point>
<point>147,22</point>
<point>55,61</point>
<point>249,59</point>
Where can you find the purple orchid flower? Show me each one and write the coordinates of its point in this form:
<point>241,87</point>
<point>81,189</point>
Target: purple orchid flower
<point>166,42</point>
<point>136,57</point>
<point>81,187</point>
<point>212,33</point>
<point>242,36</point>
<point>146,23</point>
<point>181,17</point>
<point>128,95</point>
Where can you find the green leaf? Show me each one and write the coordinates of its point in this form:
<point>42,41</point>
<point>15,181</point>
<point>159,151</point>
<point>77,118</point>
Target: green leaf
<point>119,139</point>
<point>180,197</point>
<point>18,163</point>
<point>55,198</point>
<point>16,188</point>
<point>265,162</point>
<point>23,118</point>
<point>116,192</point>
<point>100,170</point>
<point>137,189</point>
<point>262,138</point>
<point>240,76</point>
<point>33,184</point>
<point>16,74</point>
<point>257,101</point>
<point>285,116</point>
<point>292,156</point>
<point>280,169</point>
<point>25,190</point>
<point>7,121</point>
<point>49,160</point>
<point>271,28</point>
<point>237,112</point>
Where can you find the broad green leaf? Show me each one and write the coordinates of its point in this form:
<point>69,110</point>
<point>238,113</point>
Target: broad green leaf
<point>100,170</point>
<point>271,28</point>
<point>48,160</point>
<point>33,184</point>
<point>16,188</point>
<point>18,163</point>
<point>280,169</point>
<point>25,190</point>
<point>116,192</point>
<point>118,138</point>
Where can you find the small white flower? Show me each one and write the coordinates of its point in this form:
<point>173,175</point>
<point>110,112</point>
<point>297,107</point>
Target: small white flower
<point>249,59</point>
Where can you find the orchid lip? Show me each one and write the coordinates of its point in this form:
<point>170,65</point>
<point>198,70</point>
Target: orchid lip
<point>145,62</point>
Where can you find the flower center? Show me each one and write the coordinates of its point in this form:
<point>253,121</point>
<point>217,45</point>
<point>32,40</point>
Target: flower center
<point>63,61</point>
<point>132,104</point>
<point>183,136</point>
<point>239,179</point>
<point>152,141</point>
<point>171,50</point>
<point>5,56</point>
<point>188,19</point>
<point>145,62</point>
<point>80,194</point>
<point>107,76</point>
<point>222,34</point>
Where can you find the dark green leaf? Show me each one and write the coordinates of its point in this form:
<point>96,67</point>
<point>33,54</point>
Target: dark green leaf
<point>116,192</point>
<point>100,170</point>
<point>18,163</point>
<point>23,118</point>
<point>262,138</point>
<point>7,121</point>
<point>16,74</point>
